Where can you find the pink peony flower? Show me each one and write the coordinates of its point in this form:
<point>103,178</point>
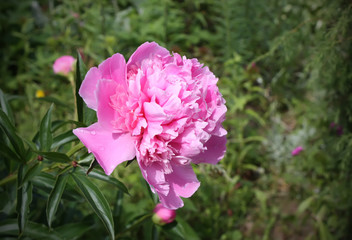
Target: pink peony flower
<point>296,151</point>
<point>163,109</point>
<point>63,65</point>
<point>163,215</point>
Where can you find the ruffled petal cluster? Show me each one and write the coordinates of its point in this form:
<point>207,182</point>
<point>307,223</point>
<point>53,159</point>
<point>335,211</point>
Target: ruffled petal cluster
<point>163,109</point>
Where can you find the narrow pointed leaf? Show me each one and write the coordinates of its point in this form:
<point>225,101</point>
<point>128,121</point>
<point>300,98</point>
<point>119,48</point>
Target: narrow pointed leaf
<point>8,153</point>
<point>24,198</point>
<point>97,174</point>
<point>80,73</point>
<point>5,106</point>
<point>32,172</point>
<point>10,131</point>
<point>33,230</point>
<point>63,139</point>
<point>97,201</point>
<point>55,157</point>
<point>45,136</point>
<point>55,197</point>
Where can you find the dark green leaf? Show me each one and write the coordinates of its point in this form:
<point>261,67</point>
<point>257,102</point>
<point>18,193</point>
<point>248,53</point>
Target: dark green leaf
<point>55,197</point>
<point>92,165</point>
<point>10,131</point>
<point>80,73</point>
<point>89,115</point>
<point>63,139</point>
<point>59,124</point>
<point>97,174</point>
<point>55,157</point>
<point>24,198</point>
<point>33,230</point>
<point>173,231</point>
<point>72,230</point>
<point>129,162</point>
<point>6,107</point>
<point>44,181</point>
<point>118,204</point>
<point>97,201</point>
<point>45,136</point>
<point>8,153</point>
<point>33,171</point>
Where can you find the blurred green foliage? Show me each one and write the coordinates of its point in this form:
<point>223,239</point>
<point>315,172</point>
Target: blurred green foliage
<point>284,68</point>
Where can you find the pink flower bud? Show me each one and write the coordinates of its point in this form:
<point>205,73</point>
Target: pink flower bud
<point>163,215</point>
<point>63,65</point>
<point>296,151</point>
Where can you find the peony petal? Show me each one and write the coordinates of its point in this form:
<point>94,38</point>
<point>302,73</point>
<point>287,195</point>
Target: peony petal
<point>216,148</point>
<point>184,180</point>
<point>105,112</point>
<point>114,68</point>
<point>144,51</point>
<point>171,201</point>
<point>89,86</point>
<point>110,149</point>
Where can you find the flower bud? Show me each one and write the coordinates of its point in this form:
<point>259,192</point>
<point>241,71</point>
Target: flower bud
<point>163,215</point>
<point>296,151</point>
<point>63,65</point>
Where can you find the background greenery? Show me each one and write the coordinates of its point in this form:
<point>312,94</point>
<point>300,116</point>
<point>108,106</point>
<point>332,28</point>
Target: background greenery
<point>285,70</point>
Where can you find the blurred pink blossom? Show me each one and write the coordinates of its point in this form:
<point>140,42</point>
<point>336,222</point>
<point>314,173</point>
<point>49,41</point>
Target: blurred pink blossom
<point>163,215</point>
<point>296,151</point>
<point>163,109</point>
<point>63,65</point>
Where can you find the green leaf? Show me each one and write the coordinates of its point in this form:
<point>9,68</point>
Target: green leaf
<point>24,198</point>
<point>45,136</point>
<point>118,204</point>
<point>10,131</point>
<point>80,73</point>
<point>303,206</point>
<point>55,157</point>
<point>6,107</point>
<point>33,230</point>
<point>174,231</point>
<point>89,115</point>
<point>97,174</point>
<point>44,180</point>
<point>8,153</point>
<point>33,171</point>
<point>57,124</point>
<point>63,139</point>
<point>97,201</point>
<point>73,230</point>
<point>55,197</point>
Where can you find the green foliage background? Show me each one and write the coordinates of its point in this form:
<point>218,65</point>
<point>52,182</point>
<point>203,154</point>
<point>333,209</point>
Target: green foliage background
<point>284,68</point>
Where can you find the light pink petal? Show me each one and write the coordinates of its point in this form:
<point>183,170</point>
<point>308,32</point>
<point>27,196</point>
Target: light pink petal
<point>216,148</point>
<point>153,112</point>
<point>171,201</point>
<point>114,68</point>
<point>89,86</point>
<point>105,112</point>
<point>144,51</point>
<point>110,149</point>
<point>184,180</point>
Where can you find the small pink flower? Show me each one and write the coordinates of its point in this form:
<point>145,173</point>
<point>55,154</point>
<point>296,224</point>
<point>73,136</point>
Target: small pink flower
<point>296,151</point>
<point>163,109</point>
<point>163,215</point>
<point>63,65</point>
